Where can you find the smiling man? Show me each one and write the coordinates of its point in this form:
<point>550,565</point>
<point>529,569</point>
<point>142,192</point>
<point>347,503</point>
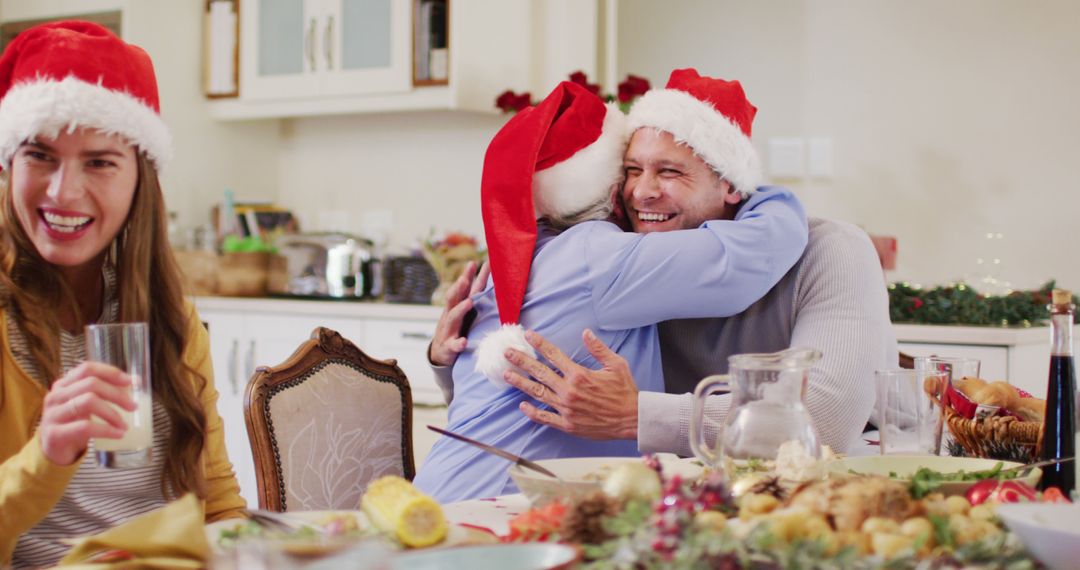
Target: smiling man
<point>683,167</point>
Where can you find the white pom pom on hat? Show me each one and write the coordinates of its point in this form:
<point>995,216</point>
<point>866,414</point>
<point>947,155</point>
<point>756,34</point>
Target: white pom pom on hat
<point>490,353</point>
<point>556,158</point>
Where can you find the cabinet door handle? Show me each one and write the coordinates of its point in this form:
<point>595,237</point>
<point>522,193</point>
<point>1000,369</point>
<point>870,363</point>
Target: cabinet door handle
<point>249,362</point>
<point>309,45</point>
<point>415,336</point>
<point>232,366</point>
<point>328,43</point>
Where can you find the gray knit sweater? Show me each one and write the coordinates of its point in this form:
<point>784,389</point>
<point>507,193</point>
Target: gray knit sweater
<point>833,299</point>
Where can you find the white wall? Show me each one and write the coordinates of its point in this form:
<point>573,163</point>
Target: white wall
<point>208,155</point>
<point>422,170</point>
<point>949,119</point>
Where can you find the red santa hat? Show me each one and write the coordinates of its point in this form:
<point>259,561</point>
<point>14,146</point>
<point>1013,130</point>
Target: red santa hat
<point>711,116</point>
<point>557,159</point>
<point>72,74</point>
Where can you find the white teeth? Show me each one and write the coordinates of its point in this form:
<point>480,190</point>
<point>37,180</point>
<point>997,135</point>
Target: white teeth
<point>65,223</point>
<point>654,217</point>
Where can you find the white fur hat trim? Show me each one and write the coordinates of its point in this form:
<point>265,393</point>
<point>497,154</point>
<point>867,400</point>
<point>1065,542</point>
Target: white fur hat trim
<point>589,176</point>
<point>45,107</point>
<point>712,136</point>
<point>490,353</point>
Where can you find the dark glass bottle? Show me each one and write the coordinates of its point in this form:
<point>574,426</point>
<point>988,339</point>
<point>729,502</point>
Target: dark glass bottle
<point>1059,425</point>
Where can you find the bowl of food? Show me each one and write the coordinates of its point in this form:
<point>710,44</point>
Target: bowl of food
<point>930,473</point>
<point>1051,531</point>
<point>576,477</point>
<point>580,476</point>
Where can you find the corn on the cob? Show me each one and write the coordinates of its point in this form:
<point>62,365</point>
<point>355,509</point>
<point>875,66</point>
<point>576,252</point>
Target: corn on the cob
<point>394,506</point>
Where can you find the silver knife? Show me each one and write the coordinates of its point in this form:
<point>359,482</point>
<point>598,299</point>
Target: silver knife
<point>1030,466</point>
<point>496,451</point>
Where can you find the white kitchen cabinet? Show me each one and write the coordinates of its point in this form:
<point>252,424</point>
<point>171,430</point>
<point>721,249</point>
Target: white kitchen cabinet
<point>1020,356</point>
<point>247,333</point>
<point>317,57</point>
<point>315,48</point>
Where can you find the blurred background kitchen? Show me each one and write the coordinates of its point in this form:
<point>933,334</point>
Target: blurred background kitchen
<point>934,122</point>
<point>951,127</point>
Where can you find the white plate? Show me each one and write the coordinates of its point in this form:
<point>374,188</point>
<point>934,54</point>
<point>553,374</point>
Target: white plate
<point>1051,531</point>
<point>313,518</point>
<point>904,466</point>
<point>528,556</point>
<point>455,536</point>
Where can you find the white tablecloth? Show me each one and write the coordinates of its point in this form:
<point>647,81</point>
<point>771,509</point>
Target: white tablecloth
<point>493,514</point>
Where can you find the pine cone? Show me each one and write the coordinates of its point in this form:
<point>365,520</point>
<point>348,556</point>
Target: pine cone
<point>584,523</point>
<point>1009,450</point>
<point>769,486</point>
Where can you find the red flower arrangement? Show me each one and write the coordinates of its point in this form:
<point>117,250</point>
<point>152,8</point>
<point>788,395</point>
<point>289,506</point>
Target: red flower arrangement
<point>630,89</point>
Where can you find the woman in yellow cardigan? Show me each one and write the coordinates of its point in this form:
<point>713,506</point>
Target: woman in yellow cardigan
<point>83,239</point>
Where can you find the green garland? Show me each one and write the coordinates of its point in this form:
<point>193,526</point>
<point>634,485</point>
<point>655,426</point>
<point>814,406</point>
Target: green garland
<point>961,305</point>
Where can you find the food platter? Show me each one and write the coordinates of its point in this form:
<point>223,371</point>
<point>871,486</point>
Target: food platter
<point>906,467</point>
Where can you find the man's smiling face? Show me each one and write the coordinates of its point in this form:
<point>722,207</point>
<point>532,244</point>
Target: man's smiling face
<point>669,188</point>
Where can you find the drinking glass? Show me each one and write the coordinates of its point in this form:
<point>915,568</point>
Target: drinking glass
<point>955,367</point>
<point>127,347</point>
<point>910,418</point>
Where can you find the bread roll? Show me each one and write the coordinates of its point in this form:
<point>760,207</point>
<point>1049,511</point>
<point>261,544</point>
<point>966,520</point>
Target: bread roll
<point>1030,409</point>
<point>999,394</point>
<point>969,386</point>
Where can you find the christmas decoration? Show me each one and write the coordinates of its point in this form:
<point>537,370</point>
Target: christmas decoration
<point>584,523</point>
<point>448,257</point>
<point>630,89</point>
<point>960,304</point>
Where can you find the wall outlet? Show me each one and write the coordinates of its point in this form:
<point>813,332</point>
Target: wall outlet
<point>820,157</point>
<point>786,158</point>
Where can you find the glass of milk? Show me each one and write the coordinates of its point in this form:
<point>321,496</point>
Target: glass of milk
<point>127,347</point>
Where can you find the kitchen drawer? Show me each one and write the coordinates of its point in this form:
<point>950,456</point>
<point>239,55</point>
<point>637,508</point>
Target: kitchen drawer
<point>407,341</point>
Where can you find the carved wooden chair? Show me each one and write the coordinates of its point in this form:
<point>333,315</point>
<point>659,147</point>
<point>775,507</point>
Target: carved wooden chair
<point>325,423</point>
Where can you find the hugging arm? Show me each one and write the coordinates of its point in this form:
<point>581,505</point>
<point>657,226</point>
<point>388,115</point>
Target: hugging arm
<point>716,270</point>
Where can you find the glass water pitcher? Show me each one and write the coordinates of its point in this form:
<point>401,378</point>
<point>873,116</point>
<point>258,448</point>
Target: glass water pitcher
<point>767,407</point>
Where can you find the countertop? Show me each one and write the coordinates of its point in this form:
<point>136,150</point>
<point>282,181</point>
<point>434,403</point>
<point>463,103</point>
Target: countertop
<point>992,336</point>
<point>335,307</point>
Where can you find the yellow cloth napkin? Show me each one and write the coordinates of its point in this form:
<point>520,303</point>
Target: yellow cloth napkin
<point>170,537</point>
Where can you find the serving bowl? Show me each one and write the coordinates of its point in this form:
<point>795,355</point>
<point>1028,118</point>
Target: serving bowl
<point>580,476</point>
<point>903,468</point>
<point>1051,531</point>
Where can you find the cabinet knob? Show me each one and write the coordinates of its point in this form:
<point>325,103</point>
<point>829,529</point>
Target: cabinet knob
<point>415,335</point>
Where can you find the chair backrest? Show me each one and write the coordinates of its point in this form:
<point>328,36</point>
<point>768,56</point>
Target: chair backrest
<point>325,423</point>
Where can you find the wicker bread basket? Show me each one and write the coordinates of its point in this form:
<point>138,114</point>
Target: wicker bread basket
<point>980,436</point>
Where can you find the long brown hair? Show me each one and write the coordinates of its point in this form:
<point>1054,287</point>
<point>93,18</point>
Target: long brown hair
<point>148,283</point>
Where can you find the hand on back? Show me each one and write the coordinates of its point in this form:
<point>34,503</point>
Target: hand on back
<point>448,341</point>
<point>597,404</point>
<point>84,392</point>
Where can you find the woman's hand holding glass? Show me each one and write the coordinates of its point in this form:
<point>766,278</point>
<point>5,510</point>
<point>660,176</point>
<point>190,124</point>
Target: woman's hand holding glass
<point>90,389</point>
